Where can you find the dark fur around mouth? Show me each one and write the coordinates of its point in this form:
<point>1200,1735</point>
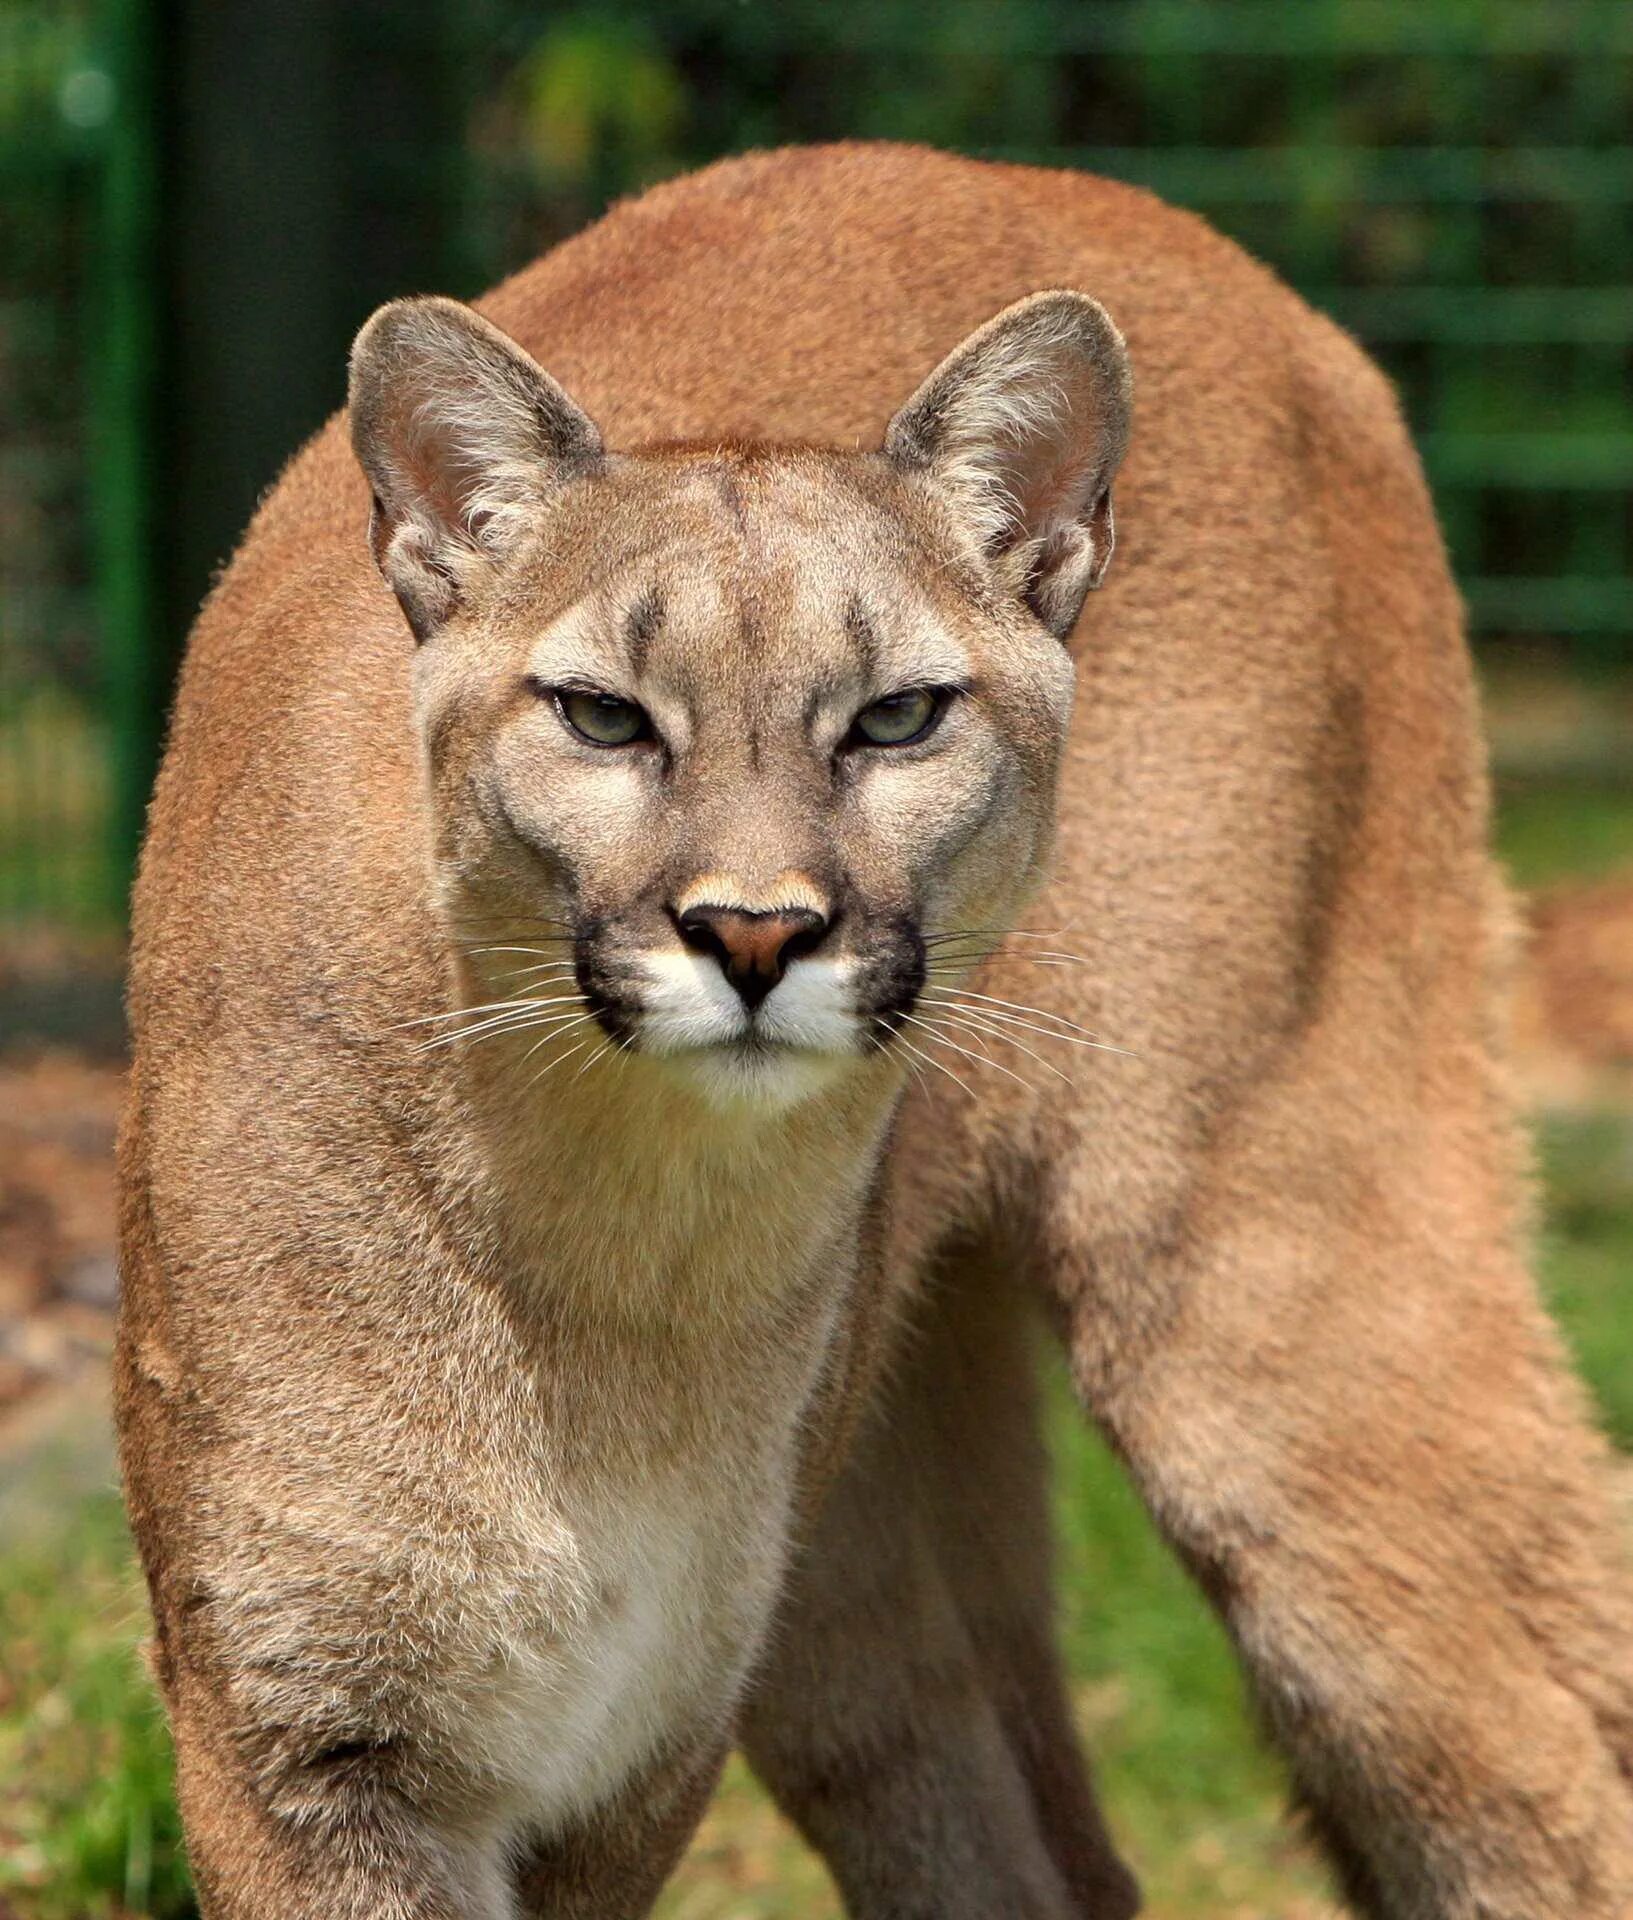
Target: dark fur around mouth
<point>893,981</point>
<point>596,981</point>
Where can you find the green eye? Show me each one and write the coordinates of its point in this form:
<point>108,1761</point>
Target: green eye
<point>899,718</point>
<point>602,717</point>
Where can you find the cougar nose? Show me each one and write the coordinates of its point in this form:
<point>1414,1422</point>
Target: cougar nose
<point>753,949</point>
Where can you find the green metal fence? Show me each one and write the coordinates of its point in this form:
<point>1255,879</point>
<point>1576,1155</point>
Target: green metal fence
<point>78,690</point>
<point>1453,179</point>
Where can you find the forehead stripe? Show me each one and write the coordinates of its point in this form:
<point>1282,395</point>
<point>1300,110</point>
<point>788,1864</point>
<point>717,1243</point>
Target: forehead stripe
<point>860,629</point>
<point>641,623</point>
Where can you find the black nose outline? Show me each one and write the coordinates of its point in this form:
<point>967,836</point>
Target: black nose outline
<point>753,947</point>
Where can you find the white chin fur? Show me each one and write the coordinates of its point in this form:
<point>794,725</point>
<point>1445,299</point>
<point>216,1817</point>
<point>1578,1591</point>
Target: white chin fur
<point>798,1041</point>
<point>742,1076</point>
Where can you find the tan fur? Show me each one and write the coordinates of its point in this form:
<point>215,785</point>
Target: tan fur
<point>466,1416</point>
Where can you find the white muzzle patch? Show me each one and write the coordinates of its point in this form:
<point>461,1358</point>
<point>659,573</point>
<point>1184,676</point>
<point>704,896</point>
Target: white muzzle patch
<point>791,1045</point>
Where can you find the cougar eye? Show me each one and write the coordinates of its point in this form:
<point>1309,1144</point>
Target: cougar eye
<point>602,718</point>
<point>899,719</point>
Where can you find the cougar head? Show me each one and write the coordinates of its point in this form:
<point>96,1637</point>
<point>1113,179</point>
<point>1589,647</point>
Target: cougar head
<point>737,740</point>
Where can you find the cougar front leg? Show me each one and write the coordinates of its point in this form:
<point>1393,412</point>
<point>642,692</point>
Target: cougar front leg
<point>613,1866</point>
<point>392,1829</point>
<point>912,1718</point>
<point>1347,1411</point>
<point>353,1849</point>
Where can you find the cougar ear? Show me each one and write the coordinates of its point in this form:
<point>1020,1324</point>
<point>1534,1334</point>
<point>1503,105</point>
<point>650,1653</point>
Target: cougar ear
<point>1024,426</point>
<point>462,436</point>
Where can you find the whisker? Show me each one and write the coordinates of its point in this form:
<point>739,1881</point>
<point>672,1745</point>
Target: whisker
<point>882,1026</point>
<point>550,1066</point>
<point>999,933</point>
<point>946,961</point>
<point>487,1006</point>
<point>1078,1039</point>
<point>509,1026</point>
<point>917,1072</point>
<point>508,920</point>
<point>561,1059</point>
<point>494,936</point>
<point>901,1039</point>
<point>518,940</point>
<point>943,1002</point>
<point>603,1052</point>
<point>1051,957</point>
<point>987,941</point>
<point>976,1023</point>
<point>1014,1006</point>
<point>939,1038</point>
<point>500,1023</point>
<point>559,1024</point>
<point>455,1013</point>
<point>543,967</point>
<point>538,953</point>
<point>950,957</point>
<point>911,1066</point>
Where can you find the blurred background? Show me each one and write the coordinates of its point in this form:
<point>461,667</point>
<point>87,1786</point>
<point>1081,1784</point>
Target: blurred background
<point>199,202</point>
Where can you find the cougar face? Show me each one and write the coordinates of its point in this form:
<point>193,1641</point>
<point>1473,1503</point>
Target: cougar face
<point>737,740</point>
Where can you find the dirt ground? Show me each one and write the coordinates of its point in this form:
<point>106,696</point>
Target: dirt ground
<point>58,1279</point>
<point>1574,1011</point>
<point>59,1110</point>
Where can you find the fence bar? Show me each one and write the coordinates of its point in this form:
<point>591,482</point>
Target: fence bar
<point>121,434</point>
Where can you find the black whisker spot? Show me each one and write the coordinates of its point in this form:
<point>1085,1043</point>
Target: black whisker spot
<point>349,1752</point>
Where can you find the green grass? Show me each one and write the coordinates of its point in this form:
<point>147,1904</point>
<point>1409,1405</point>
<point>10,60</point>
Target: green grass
<point>1194,1798</point>
<point>56,846</point>
<point>1587,1254</point>
<point>87,1821</point>
<point>1580,829</point>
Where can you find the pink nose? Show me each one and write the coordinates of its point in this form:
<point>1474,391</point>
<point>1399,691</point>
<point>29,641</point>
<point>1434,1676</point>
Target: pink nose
<point>753,949</point>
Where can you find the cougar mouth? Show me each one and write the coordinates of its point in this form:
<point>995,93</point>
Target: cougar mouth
<point>677,1005</point>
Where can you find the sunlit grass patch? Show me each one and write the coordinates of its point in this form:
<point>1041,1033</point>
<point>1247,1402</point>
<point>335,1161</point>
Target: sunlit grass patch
<point>87,1820</point>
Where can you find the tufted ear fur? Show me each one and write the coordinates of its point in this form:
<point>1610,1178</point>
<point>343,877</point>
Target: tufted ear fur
<point>462,436</point>
<point>1024,426</point>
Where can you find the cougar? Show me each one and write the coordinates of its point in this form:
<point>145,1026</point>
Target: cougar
<point>647,976</point>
